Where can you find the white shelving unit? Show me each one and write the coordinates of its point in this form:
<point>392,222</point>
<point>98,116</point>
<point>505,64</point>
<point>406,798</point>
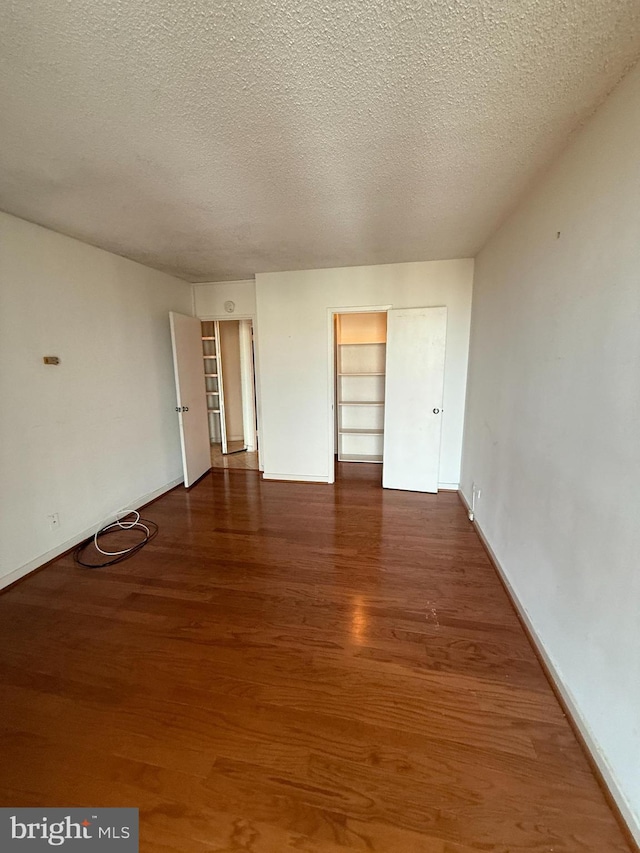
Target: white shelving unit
<point>360,376</point>
<point>214,388</point>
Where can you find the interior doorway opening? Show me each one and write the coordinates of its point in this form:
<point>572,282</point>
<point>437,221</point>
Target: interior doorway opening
<point>387,391</point>
<point>229,371</point>
<point>360,359</point>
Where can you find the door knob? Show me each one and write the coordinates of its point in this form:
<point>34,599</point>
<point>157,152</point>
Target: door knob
<point>436,411</point>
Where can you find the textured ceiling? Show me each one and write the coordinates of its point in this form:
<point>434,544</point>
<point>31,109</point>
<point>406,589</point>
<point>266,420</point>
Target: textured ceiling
<point>219,139</point>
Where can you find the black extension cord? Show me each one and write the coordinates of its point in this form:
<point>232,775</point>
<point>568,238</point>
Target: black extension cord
<point>151,531</point>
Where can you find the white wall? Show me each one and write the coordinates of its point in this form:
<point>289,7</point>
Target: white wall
<point>552,431</point>
<point>295,364</point>
<point>210,298</point>
<point>99,431</point>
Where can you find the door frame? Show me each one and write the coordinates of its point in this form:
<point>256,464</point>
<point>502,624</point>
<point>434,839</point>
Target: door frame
<point>256,366</point>
<point>248,384</point>
<point>331,400</point>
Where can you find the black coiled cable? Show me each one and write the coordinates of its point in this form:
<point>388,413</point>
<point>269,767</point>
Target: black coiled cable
<point>149,528</point>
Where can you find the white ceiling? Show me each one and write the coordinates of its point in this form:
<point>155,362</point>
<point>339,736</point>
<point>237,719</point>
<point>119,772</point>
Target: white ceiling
<point>219,138</point>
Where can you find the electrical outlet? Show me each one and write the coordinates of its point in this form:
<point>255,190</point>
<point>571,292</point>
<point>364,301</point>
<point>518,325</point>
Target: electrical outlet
<point>54,521</point>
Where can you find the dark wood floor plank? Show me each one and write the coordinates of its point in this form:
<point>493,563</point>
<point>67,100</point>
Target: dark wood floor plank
<point>294,667</point>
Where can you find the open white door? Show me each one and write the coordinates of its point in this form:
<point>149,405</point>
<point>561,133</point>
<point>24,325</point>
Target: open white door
<point>413,398</point>
<point>191,405</point>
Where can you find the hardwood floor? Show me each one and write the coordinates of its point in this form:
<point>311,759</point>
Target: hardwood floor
<point>294,667</point>
<point>245,460</point>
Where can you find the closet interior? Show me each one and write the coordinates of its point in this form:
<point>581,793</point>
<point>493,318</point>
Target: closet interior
<point>360,359</point>
<point>227,352</point>
<point>213,381</point>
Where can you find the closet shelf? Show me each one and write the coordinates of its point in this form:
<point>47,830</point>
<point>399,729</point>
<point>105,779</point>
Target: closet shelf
<point>214,411</point>
<point>360,457</point>
<point>361,403</point>
<point>210,375</point>
<point>362,373</point>
<point>361,431</point>
<point>208,338</point>
<point>364,344</point>
<point>212,393</point>
<point>209,356</point>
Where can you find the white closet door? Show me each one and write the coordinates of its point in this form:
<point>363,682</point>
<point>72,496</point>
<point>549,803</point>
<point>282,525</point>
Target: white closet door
<point>186,339</point>
<point>413,398</point>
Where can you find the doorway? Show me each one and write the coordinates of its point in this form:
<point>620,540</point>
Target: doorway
<point>229,371</point>
<point>388,389</point>
<point>360,359</point>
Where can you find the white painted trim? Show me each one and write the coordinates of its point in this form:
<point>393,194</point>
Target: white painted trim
<point>331,401</point>
<point>247,385</point>
<point>449,487</point>
<point>211,317</point>
<point>297,478</point>
<point>258,389</point>
<point>32,565</point>
<point>579,721</point>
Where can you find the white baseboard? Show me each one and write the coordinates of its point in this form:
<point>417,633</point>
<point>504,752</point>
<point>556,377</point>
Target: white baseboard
<point>308,478</point>
<point>296,478</point>
<point>32,565</point>
<point>598,757</point>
